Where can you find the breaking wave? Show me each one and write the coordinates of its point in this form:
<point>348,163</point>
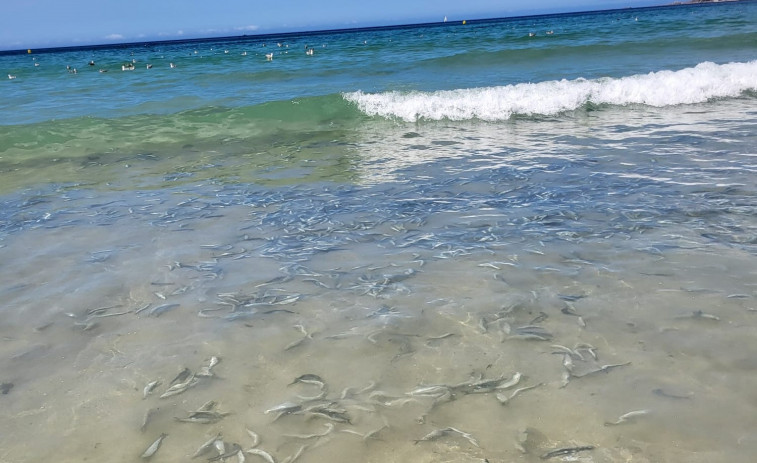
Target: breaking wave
<point>699,84</point>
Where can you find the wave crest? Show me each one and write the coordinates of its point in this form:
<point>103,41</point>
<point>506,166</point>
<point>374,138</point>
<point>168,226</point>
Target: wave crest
<point>663,88</point>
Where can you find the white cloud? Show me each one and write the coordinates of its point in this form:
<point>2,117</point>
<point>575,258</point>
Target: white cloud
<point>251,27</point>
<point>114,37</point>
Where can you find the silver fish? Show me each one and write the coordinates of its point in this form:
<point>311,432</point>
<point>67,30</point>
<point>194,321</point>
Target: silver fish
<point>179,388</point>
<point>203,417</point>
<point>148,416</point>
<point>206,446</point>
<point>206,371</point>
<point>161,309</point>
<point>437,433</point>
<point>628,416</point>
<point>254,436</point>
<point>329,428</point>
<point>566,451</point>
<point>153,447</point>
<point>503,399</point>
<point>286,407</point>
<point>261,453</point>
<point>149,388</point>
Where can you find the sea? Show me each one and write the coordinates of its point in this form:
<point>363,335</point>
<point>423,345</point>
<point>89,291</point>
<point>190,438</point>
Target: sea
<point>509,240</point>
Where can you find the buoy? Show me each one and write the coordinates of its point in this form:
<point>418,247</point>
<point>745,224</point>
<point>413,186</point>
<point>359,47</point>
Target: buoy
<point>463,22</point>
<point>28,51</point>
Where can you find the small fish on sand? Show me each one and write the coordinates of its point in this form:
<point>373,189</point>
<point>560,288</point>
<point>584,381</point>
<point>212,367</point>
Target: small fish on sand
<point>329,428</point>
<point>206,371</point>
<point>437,433</point>
<point>153,447</point>
<point>202,417</point>
<point>309,379</point>
<point>262,454</point>
<point>149,388</point>
<point>561,452</point>
<point>255,437</point>
<point>180,387</point>
<point>627,417</point>
<point>161,309</point>
<point>206,446</point>
<point>148,416</point>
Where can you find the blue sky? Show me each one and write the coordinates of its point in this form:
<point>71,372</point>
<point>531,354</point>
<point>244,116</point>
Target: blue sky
<point>53,23</point>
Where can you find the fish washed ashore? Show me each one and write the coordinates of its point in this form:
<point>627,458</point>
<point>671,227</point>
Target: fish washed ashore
<point>447,243</point>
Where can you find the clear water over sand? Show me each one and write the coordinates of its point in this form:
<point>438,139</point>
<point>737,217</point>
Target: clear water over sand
<point>380,270</point>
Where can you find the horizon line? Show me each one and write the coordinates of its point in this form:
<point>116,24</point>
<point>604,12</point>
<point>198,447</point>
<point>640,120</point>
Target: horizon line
<point>254,36</point>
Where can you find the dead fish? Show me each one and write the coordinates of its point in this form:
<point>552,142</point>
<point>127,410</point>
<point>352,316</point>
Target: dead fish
<point>207,406</point>
<point>503,399</point>
<point>339,416</point>
<point>566,451</point>
<point>430,391</point>
<point>206,446</point>
<point>202,417</point>
<point>434,340</point>
<point>367,435</point>
<point>235,449</point>
<point>179,388</point>
<point>628,416</point>
<point>531,332</point>
<point>206,371</point>
<point>254,436</point>
<point>149,388</point>
<point>662,393</point>
<point>329,428</point>
<point>286,408</point>
<point>148,416</point>
<point>437,433</point>
<point>603,368</point>
<point>261,453</point>
<point>482,386</point>
<point>153,447</point>
<point>181,377</point>
<point>161,309</point>
<point>309,378</point>
<point>144,307</point>
<point>698,314</point>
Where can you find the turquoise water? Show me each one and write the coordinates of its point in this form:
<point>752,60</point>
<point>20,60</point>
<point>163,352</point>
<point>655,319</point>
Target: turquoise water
<point>563,204</point>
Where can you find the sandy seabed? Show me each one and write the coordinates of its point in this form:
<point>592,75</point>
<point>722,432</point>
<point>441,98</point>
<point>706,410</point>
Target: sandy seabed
<point>414,349</point>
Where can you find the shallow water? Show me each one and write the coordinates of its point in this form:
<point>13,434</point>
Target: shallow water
<point>411,274</point>
<point>596,263</point>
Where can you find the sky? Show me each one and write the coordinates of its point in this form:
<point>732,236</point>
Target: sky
<point>56,23</point>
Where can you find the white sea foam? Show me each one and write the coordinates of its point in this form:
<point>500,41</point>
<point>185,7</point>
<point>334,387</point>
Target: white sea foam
<point>663,88</point>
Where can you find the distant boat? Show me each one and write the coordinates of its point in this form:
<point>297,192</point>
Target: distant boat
<point>445,19</point>
<point>11,77</point>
